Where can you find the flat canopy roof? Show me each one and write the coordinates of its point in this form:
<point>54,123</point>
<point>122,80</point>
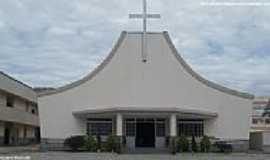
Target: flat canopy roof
<point>141,111</point>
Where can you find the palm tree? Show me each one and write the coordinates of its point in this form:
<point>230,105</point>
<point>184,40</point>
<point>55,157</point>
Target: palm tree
<point>266,111</point>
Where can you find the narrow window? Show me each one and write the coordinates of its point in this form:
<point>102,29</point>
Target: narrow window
<point>25,132</point>
<point>33,111</point>
<point>130,127</point>
<point>10,101</point>
<point>27,106</point>
<point>267,121</point>
<point>254,121</point>
<point>160,127</point>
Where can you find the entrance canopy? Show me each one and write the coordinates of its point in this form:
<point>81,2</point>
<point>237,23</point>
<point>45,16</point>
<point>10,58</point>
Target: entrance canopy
<point>145,111</point>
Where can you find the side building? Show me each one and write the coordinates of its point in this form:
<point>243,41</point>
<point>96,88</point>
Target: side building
<point>19,120</point>
<point>260,126</point>
<point>259,122</point>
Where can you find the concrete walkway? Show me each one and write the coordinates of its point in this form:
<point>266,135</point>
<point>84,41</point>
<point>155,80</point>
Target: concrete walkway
<point>109,156</point>
<point>18,149</point>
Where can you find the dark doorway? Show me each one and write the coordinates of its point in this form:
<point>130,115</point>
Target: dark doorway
<point>6,136</point>
<point>145,134</point>
<point>37,135</point>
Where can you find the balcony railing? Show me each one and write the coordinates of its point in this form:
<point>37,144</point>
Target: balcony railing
<point>18,116</point>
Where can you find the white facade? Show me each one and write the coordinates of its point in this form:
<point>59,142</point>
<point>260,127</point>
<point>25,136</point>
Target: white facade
<point>164,85</point>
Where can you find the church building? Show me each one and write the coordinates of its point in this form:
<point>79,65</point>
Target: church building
<point>144,101</point>
<point>145,93</point>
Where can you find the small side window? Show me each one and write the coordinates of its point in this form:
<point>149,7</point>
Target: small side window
<point>10,101</point>
<point>254,121</point>
<point>267,121</point>
<point>33,111</point>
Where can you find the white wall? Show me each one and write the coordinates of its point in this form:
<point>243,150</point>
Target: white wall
<point>2,99</point>
<point>161,82</point>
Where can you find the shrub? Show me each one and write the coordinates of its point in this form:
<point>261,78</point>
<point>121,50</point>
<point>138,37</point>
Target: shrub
<point>183,144</point>
<point>111,143</point>
<point>74,142</point>
<point>224,147</point>
<point>173,145</point>
<point>194,145</point>
<point>205,144</point>
<point>118,144</point>
<point>99,145</point>
<point>90,143</point>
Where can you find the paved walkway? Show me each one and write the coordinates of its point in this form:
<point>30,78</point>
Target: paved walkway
<point>108,156</point>
<point>18,149</point>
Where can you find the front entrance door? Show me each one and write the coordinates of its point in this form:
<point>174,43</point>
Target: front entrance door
<point>145,134</point>
<point>6,136</point>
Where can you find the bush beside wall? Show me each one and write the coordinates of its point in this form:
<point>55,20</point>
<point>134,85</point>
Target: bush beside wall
<point>194,146</point>
<point>75,142</point>
<point>205,144</point>
<point>183,144</point>
<point>90,143</point>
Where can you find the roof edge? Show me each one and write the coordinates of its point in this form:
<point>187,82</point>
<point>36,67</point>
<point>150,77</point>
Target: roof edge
<point>16,80</point>
<point>18,88</point>
<point>144,109</point>
<point>92,74</point>
<point>199,77</point>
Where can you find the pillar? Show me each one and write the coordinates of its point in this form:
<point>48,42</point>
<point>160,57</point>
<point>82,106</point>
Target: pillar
<point>173,133</point>
<point>119,132</point>
<point>119,124</point>
<point>173,128</point>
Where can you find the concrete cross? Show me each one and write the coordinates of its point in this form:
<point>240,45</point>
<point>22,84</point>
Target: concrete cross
<point>144,16</point>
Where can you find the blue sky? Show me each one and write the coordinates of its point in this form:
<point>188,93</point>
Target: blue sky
<point>54,42</point>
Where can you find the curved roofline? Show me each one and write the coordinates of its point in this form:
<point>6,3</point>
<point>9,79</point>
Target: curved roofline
<point>177,56</point>
<point>199,77</point>
<point>91,74</point>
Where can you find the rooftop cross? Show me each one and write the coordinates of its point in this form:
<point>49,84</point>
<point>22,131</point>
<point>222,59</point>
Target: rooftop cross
<point>144,16</point>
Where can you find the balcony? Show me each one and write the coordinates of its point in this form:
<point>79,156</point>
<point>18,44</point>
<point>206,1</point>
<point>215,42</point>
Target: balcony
<point>18,116</point>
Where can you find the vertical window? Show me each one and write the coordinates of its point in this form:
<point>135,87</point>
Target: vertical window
<point>191,128</point>
<point>25,132</point>
<point>10,101</point>
<point>267,121</point>
<point>130,127</point>
<point>160,127</point>
<point>254,121</point>
<point>27,104</point>
<point>33,111</point>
